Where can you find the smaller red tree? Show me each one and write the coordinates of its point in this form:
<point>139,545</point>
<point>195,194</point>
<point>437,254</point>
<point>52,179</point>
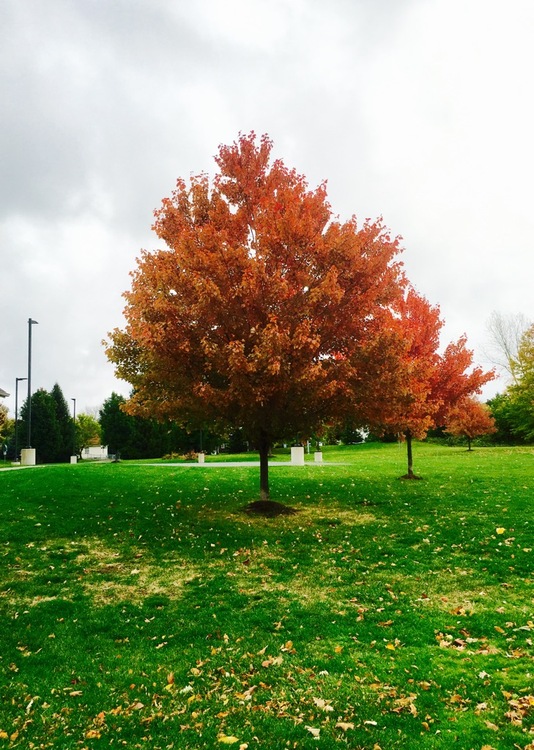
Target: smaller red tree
<point>419,385</point>
<point>470,419</point>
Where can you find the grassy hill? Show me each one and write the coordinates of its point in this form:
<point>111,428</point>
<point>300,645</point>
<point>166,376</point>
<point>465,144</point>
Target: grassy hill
<point>143,607</point>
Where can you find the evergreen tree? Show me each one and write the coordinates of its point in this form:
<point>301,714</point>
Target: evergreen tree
<point>66,425</point>
<point>117,426</point>
<point>46,431</point>
<point>139,437</point>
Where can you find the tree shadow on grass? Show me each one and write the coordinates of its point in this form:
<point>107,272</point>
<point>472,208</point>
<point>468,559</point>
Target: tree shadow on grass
<point>269,509</point>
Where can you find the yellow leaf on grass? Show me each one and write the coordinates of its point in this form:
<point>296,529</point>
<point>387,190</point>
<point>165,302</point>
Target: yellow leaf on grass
<point>313,730</point>
<point>227,739</point>
<point>390,646</point>
<point>92,734</point>
<point>500,530</point>
<point>491,726</point>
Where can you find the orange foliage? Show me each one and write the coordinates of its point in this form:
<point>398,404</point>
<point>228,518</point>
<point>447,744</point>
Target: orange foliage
<point>470,419</point>
<point>423,385</point>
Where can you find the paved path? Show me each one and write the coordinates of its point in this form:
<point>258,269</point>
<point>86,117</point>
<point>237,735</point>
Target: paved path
<point>219,464</point>
<point>206,465</point>
<point>241,464</point>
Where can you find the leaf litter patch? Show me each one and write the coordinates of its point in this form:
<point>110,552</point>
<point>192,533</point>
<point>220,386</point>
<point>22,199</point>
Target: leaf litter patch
<point>107,577</point>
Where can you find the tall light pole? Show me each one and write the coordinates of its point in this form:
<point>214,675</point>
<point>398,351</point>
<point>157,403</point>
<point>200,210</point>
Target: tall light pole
<point>17,381</point>
<point>30,324</point>
<point>74,420</point>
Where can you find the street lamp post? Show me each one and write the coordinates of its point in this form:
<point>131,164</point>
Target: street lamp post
<point>30,324</point>
<point>27,455</point>
<point>17,381</point>
<point>74,420</point>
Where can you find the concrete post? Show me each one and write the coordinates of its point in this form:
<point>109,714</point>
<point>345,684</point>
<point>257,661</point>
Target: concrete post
<point>297,455</point>
<point>27,457</point>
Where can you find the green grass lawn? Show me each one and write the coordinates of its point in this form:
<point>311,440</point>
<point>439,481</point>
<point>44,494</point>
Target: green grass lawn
<point>142,608</point>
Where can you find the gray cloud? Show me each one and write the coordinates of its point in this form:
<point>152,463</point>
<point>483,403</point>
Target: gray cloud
<point>417,111</point>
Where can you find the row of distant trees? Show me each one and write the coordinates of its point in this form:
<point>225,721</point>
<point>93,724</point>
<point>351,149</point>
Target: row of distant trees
<point>52,427</point>
<point>56,436</point>
<point>507,419</point>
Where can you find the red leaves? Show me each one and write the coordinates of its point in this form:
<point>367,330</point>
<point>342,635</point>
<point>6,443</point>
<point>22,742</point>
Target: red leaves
<point>417,385</point>
<point>470,418</point>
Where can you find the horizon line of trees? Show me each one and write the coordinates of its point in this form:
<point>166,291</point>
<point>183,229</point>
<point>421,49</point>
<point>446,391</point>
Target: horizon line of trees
<point>502,420</point>
<point>56,437</point>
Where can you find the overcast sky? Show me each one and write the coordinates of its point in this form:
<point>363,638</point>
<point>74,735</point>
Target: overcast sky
<point>419,111</point>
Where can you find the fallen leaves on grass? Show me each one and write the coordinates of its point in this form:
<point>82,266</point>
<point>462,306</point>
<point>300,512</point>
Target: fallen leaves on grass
<point>520,707</point>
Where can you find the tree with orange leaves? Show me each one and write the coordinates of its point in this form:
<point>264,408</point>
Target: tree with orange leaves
<point>420,386</point>
<point>255,311</point>
<point>470,419</point>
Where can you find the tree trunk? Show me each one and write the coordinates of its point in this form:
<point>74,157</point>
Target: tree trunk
<point>408,435</point>
<point>410,474</point>
<point>264,450</point>
<point>468,443</point>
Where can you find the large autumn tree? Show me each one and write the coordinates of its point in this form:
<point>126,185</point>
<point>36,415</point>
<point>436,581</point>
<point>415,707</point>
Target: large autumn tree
<point>253,313</point>
<point>420,384</point>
